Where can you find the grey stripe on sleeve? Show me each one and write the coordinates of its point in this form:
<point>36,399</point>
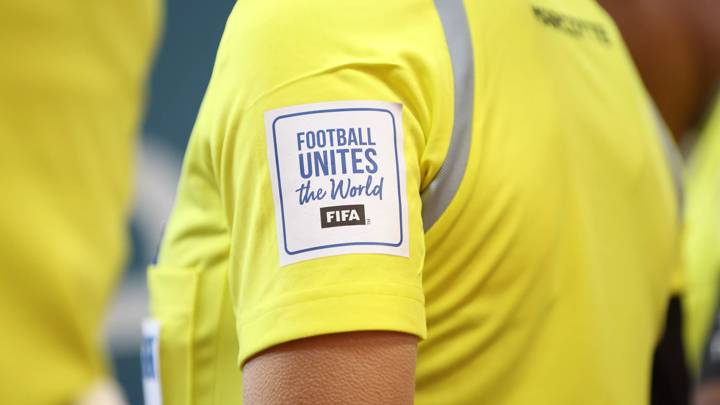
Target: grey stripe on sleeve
<point>437,196</point>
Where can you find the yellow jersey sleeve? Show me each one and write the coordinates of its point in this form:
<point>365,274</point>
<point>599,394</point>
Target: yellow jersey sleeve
<point>319,156</point>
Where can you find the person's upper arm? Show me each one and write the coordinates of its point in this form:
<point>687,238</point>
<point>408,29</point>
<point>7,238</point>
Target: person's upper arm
<point>326,229</point>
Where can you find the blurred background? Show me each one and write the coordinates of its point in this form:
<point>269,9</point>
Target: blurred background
<point>180,75</point>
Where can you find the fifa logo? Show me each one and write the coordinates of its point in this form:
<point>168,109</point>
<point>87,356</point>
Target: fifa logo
<point>342,215</point>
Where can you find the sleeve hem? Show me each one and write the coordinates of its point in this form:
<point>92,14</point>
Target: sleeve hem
<point>332,314</point>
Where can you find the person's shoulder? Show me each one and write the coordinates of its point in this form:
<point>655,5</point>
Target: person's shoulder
<point>320,24</point>
<point>300,12</point>
<point>268,44</point>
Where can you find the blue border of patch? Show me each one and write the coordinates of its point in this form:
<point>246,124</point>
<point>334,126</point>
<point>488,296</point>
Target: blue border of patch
<point>397,171</point>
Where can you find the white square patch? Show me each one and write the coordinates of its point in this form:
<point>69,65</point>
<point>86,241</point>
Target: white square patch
<point>338,179</point>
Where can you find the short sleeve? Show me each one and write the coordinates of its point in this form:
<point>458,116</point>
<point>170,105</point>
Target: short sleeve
<point>323,113</point>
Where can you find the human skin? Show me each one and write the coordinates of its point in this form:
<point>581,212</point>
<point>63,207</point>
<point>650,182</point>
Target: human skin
<point>676,47</point>
<point>345,368</point>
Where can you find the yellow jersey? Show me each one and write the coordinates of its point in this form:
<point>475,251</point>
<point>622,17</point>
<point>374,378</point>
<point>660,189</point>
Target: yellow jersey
<point>486,175</point>
<point>702,241</point>
<point>71,88</point>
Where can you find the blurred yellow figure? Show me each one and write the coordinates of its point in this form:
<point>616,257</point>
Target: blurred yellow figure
<point>72,75</point>
<point>702,249</point>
